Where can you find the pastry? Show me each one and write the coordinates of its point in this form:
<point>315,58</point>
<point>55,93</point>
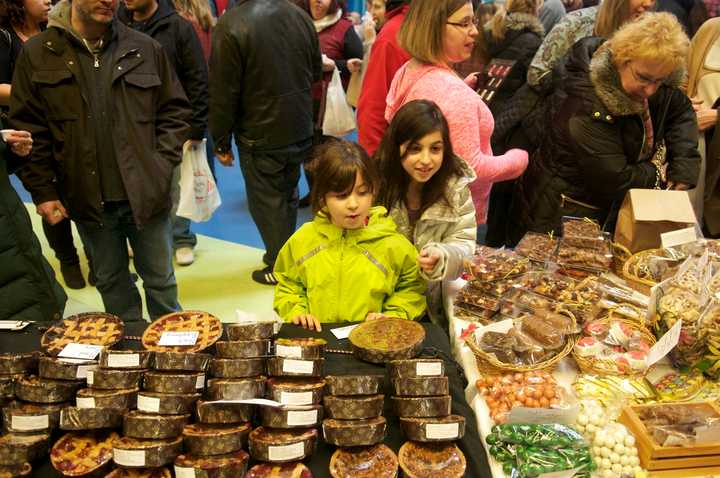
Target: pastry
<point>416,368</point>
<point>451,427</point>
<point>133,453</point>
<point>231,465</point>
<point>307,348</point>
<point>125,358</point>
<point>536,247</point>
<point>202,440</point>
<point>236,388</point>
<point>432,460</point>
<point>386,339</point>
<point>291,416</point>
<point>216,413</point>
<point>354,432</point>
<point>19,417</point>
<point>353,407</point>
<point>279,470</point>
<point>580,227</point>
<point>15,471</point>
<point>295,391</point>
<point>65,369</point>
<point>95,397</point>
<point>92,328</point>
<point>80,454</point>
<point>115,379</point>
<point>75,419</point>
<point>140,473</point>
<point>167,382</point>
<point>422,407</point>
<point>278,446</point>
<point>18,363</point>
<point>287,367</point>
<point>167,403</point>
<point>42,390</point>
<point>251,331</point>
<point>7,385</point>
<point>421,387</point>
<point>238,349</point>
<point>181,361</point>
<point>150,426</point>
<point>16,449</point>
<point>237,368</point>
<point>353,384</point>
<point>209,330</point>
<point>377,461</point>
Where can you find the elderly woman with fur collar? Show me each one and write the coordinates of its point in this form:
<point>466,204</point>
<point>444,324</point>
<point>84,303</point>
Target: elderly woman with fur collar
<point>618,121</point>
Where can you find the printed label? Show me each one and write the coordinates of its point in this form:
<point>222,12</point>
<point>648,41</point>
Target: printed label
<point>80,351</point>
<point>168,339</point>
<point>666,343</point>
<point>304,367</point>
<point>678,237</point>
<point>302,418</point>
<point>123,360</point>
<point>89,376</point>
<point>288,351</point>
<point>296,398</point>
<point>148,404</point>
<point>85,402</point>
<point>129,457</point>
<point>538,416</point>
<point>428,369</point>
<point>84,370</point>
<point>343,332</point>
<point>286,452</point>
<point>27,423</point>
<point>200,382</point>
<point>182,472</point>
<point>442,431</point>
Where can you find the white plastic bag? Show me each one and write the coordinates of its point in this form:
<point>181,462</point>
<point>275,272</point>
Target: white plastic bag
<point>199,196</point>
<point>339,118</point>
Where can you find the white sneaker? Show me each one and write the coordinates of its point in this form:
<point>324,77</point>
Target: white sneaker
<point>184,256</point>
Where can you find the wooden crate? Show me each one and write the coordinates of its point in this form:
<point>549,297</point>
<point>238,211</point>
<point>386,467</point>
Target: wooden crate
<point>703,472</point>
<point>655,457</point>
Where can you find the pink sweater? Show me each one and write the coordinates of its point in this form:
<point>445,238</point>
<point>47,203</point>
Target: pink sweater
<point>470,121</point>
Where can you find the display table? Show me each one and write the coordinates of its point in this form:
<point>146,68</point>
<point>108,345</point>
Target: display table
<point>436,345</point>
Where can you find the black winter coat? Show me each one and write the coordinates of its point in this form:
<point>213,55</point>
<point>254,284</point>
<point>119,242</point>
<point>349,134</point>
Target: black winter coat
<point>28,289</point>
<point>591,156</point>
<point>182,46</point>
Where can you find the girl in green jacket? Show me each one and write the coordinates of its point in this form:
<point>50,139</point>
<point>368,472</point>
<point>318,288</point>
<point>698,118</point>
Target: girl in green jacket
<point>350,263</point>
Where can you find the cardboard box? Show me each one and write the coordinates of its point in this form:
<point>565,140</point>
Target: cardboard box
<point>647,213</point>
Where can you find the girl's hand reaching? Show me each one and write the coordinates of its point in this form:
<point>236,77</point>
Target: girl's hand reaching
<point>428,259</point>
<point>307,321</point>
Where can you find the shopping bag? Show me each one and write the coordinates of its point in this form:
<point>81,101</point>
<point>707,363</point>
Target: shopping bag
<point>339,118</point>
<point>199,196</point>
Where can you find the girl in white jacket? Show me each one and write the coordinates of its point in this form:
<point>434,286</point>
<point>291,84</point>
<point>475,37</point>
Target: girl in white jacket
<point>424,185</point>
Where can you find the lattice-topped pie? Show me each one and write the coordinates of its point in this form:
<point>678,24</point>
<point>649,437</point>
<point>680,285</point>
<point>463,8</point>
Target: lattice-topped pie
<point>208,326</point>
<point>91,328</point>
<point>140,473</point>
<point>78,454</point>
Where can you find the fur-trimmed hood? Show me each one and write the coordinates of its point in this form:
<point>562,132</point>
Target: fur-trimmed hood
<point>516,25</point>
<point>524,21</point>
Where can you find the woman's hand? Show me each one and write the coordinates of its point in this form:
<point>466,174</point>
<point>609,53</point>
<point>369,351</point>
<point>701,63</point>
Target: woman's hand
<point>428,259</point>
<point>706,118</point>
<point>307,321</point>
<point>354,65</point>
<point>328,64</point>
<point>20,142</point>
<point>374,316</point>
<point>471,80</point>
<point>369,30</point>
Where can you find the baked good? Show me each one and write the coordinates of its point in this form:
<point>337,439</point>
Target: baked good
<point>496,264</point>
<point>353,407</point>
<point>353,384</point>
<point>422,407</point>
<point>133,453</point>
<point>416,368</point>
<point>209,330</point>
<point>43,390</point>
<point>236,388</point>
<point>181,361</point>
<point>277,446</point>
<point>125,358</point>
<point>20,417</point>
<point>7,385</point>
<point>354,432</point>
<point>167,382</point>
<point>432,460</point>
<point>15,471</point>
<point>251,331</point>
<point>237,368</point>
<point>287,367</point>
<point>305,348</point>
<point>580,227</point>
<point>279,470</point>
<point>447,428</point>
<point>167,403</point>
<point>74,419</point>
<point>243,348</point>
<point>115,379</point>
<point>91,328</point>
<point>536,247</point>
<point>231,465</point>
<point>377,461</point>
<point>295,391</point>
<point>291,416</point>
<point>421,387</point>
<point>65,369</point>
<point>150,426</point>
<point>386,339</point>
<point>80,454</point>
<point>202,439</point>
<point>95,397</point>
<point>140,473</point>
<point>214,413</point>
<point>17,363</point>
<point>16,449</point>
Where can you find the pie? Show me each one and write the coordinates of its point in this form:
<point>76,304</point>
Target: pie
<point>346,433</point>
<point>164,382</point>
<point>15,471</point>
<point>243,348</point>
<point>422,407</point>
<point>251,330</point>
<point>201,439</point>
<point>43,390</point>
<point>60,369</point>
<point>279,446</point>
<point>95,397</point>
<point>16,449</point>
<point>421,386</point>
<point>302,416</point>
<point>290,367</point>
<point>91,328</point>
<point>353,384</point>
<point>31,417</point>
<point>229,465</point>
<point>279,470</point>
<point>295,391</point>
<point>377,461</point>
<point>236,388</point>
<point>237,368</point>
<point>208,326</point>
<point>382,340</point>
<point>432,460</point>
<point>447,428</point>
<point>140,473</point>
<point>302,348</point>
<point>416,368</point>
<point>181,361</point>
<point>15,363</point>
<point>73,418</point>
<point>132,453</point>
<point>144,425</point>
<point>213,412</point>
<point>355,407</point>
<point>78,454</point>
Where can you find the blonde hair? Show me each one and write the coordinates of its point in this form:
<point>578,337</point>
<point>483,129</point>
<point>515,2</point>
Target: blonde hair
<point>422,30</point>
<point>198,10</point>
<point>498,22</point>
<point>611,15</point>
<point>653,37</point>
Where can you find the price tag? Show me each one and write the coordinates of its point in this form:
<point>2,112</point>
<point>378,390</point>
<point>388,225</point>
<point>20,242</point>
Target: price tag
<point>539,416</point>
<point>148,404</point>
<point>304,367</point>
<point>30,422</point>
<point>343,332</point>
<point>85,402</point>
<point>302,418</point>
<point>80,351</point>
<point>666,343</point>
<point>129,457</point>
<point>251,401</point>
<point>200,382</point>
<point>172,339</point>
<point>123,360</point>
<point>89,375</point>
<point>288,351</point>
<point>678,237</point>
<point>428,369</point>
<point>442,431</point>
<point>286,452</point>
<point>296,398</point>
<point>182,472</point>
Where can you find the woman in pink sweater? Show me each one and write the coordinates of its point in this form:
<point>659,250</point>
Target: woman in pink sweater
<point>438,33</point>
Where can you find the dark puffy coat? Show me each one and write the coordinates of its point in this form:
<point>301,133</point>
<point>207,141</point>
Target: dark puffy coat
<point>591,156</point>
<point>28,289</point>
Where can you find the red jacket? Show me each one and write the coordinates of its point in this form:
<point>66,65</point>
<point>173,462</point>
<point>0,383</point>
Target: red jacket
<point>386,58</point>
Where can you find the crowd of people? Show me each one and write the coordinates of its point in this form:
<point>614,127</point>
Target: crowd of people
<point>102,97</point>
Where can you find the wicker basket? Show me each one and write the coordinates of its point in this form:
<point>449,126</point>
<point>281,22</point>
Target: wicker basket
<point>640,284</point>
<point>621,255</point>
<point>594,366</point>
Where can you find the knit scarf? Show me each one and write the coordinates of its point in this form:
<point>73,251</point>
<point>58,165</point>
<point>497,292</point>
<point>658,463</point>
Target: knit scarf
<point>327,21</point>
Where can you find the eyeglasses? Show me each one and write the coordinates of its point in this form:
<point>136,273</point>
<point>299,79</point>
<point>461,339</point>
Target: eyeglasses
<point>467,24</point>
<point>644,80</point>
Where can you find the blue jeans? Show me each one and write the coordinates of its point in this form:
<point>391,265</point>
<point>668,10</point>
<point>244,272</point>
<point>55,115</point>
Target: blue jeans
<point>153,262</point>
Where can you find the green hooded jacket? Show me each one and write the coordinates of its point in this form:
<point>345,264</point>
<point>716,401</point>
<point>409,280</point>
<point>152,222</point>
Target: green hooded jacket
<point>342,275</point>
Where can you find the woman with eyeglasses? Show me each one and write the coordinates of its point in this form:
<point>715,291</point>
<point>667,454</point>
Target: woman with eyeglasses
<point>437,34</point>
<point>619,121</point>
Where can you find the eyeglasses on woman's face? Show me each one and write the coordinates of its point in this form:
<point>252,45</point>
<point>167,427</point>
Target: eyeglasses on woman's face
<point>467,24</point>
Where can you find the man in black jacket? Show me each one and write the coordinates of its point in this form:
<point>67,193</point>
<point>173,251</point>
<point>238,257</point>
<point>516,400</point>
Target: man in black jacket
<point>265,58</point>
<point>108,119</point>
<point>158,19</point>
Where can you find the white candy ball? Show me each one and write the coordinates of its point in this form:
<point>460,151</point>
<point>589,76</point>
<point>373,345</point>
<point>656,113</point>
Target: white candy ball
<point>596,451</point>
<point>627,470</point>
<point>614,457</point>
<point>619,449</point>
<point>629,441</point>
<point>637,469</point>
<point>599,439</point>
<point>632,451</point>
<point>608,474</point>
<point>605,452</point>
<point>634,460</point>
<point>624,460</point>
<point>616,468</point>
<point>605,463</point>
<point>590,428</point>
<point>582,420</point>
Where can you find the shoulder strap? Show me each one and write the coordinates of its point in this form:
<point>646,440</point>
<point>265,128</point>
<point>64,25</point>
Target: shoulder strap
<point>5,35</point>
